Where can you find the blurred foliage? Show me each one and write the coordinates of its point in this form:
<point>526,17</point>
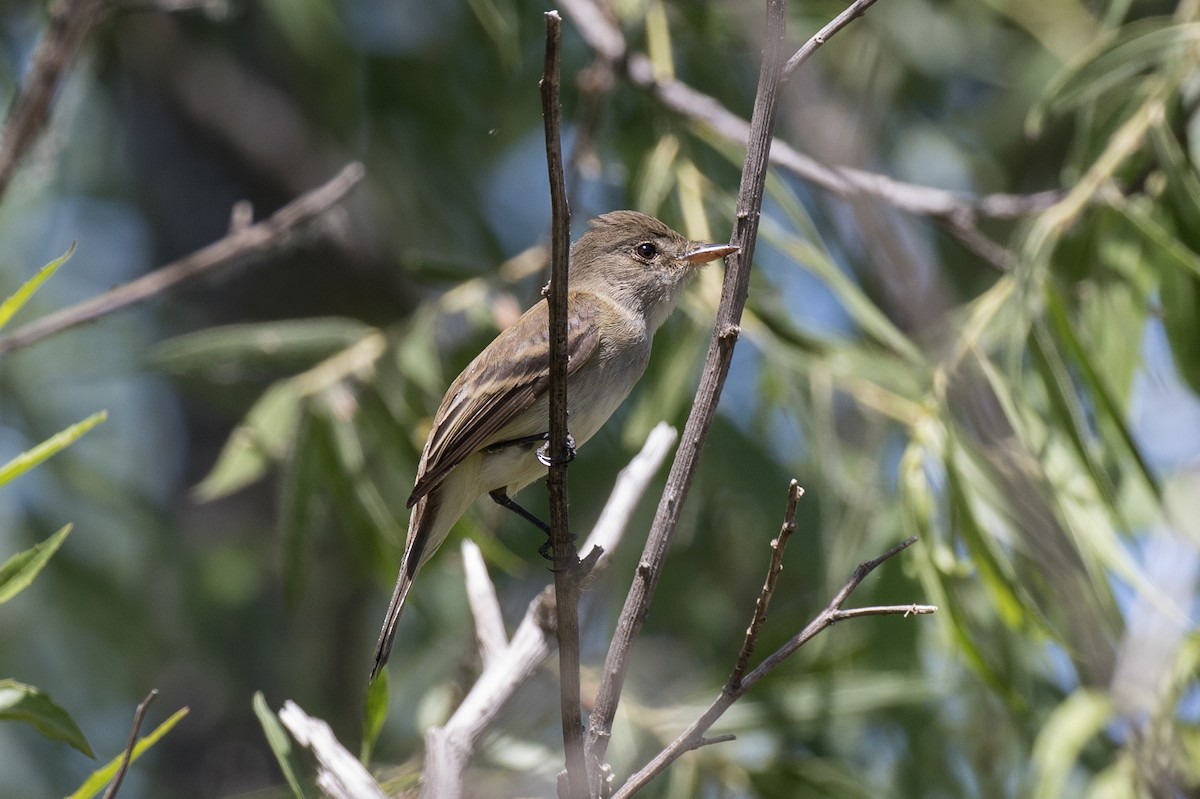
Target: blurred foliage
<point>1037,425</point>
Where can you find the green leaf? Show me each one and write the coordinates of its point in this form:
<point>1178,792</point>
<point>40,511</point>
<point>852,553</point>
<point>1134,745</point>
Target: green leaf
<point>18,571</point>
<point>1106,406</point>
<point>865,313</point>
<point>13,304</point>
<point>301,498</point>
<point>20,702</point>
<point>262,438</point>
<point>1124,55</point>
<point>225,354</point>
<point>375,713</point>
<point>1069,415</point>
<point>103,776</point>
<point>1079,718</point>
<point>279,741</point>
<point>48,448</point>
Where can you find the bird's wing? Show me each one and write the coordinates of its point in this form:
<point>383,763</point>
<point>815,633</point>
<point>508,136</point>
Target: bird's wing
<point>490,393</point>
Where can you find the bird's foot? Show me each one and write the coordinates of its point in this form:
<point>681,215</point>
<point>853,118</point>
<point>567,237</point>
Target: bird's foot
<point>546,550</point>
<point>567,455</point>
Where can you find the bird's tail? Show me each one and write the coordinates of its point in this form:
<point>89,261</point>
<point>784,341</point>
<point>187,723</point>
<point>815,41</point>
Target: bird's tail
<point>422,519</point>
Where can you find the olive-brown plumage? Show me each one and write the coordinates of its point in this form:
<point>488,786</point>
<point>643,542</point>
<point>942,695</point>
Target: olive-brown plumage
<point>625,276</point>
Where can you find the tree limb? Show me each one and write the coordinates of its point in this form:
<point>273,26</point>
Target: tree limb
<point>239,246</point>
<point>737,687</point>
<point>566,561</point>
<point>70,21</point>
<point>956,212</point>
<point>716,367</point>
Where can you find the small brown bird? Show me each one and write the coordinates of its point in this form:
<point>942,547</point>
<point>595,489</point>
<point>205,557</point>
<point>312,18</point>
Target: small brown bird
<point>625,277</point>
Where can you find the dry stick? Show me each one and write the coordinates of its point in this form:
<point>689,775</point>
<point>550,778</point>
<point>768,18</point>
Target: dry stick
<point>956,212</point>
<point>70,20</point>
<point>716,367</point>
<point>339,774</point>
<point>485,605</point>
<point>448,748</point>
<point>567,568</point>
<point>138,716</point>
<point>693,736</point>
<point>240,245</point>
<point>852,12</point>
<point>764,598</point>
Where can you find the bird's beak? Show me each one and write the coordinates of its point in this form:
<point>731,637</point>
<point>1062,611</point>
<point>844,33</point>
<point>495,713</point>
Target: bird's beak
<point>703,253</point>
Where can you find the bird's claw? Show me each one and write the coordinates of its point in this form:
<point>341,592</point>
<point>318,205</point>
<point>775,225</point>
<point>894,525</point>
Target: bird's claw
<point>546,551</point>
<point>567,455</point>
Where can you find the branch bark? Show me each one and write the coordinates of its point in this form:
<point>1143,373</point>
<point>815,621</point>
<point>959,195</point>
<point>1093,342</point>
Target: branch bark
<point>239,246</point>
<point>566,562</point>
<point>737,686</point>
<point>956,212</point>
<point>70,21</point>
<point>716,367</point>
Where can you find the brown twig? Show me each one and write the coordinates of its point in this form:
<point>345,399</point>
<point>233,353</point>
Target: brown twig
<point>693,736</point>
<point>237,247</point>
<point>138,717</point>
<point>852,12</point>
<point>764,598</point>
<point>566,561</point>
<point>716,367</point>
<point>956,212</point>
<point>70,21</point>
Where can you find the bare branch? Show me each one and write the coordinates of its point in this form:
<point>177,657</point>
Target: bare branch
<point>956,211</point>
<point>720,354</point>
<point>138,717</point>
<point>764,598</point>
<point>448,748</point>
<point>339,774</point>
<point>70,21</point>
<point>485,606</point>
<point>852,12</point>
<point>566,562</point>
<point>239,246</point>
<point>693,736</point>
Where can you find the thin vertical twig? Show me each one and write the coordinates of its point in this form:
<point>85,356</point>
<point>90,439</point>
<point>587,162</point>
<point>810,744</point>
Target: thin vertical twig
<point>566,561</point>
<point>138,717</point>
<point>716,367</point>
<point>778,545</point>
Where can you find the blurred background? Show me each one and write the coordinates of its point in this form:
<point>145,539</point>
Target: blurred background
<point>1017,388</point>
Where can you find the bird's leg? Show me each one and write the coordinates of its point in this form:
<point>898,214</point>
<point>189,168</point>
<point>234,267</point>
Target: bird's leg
<point>500,497</point>
<point>543,453</point>
<point>523,441</point>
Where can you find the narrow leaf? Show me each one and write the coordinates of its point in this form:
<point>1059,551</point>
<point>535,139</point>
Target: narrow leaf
<point>48,448</point>
<point>1073,723</point>
<point>374,716</point>
<point>262,438</point>
<point>20,702</point>
<point>279,741</point>
<point>13,304</point>
<point>18,571</point>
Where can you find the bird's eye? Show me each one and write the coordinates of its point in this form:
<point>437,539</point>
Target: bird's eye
<point>646,250</point>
